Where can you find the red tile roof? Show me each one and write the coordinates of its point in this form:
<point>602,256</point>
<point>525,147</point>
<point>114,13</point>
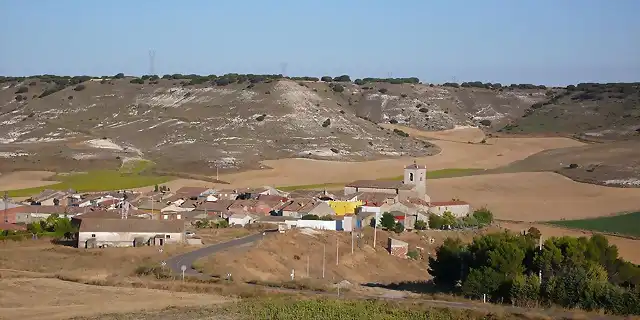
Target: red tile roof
<point>447,203</point>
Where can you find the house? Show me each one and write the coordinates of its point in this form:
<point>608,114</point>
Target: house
<point>413,184</point>
<point>254,193</point>
<point>12,227</point>
<point>241,219</point>
<point>52,197</point>
<point>29,214</point>
<point>372,202</point>
<point>8,211</point>
<point>304,206</point>
<point>194,192</point>
<point>96,232</point>
<point>342,208</point>
<point>213,209</point>
<point>397,248</point>
<point>457,208</point>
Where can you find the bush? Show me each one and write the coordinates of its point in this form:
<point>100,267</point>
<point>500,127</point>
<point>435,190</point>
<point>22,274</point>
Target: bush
<point>423,110</point>
<point>420,225</point>
<point>261,117</point>
<point>326,79</point>
<point>388,221</point>
<point>484,216</point>
<point>79,87</point>
<point>22,90</point>
<point>19,98</point>
<point>326,123</point>
<point>398,228</point>
<point>342,78</point>
<point>393,121</point>
<point>310,217</point>
<point>119,76</point>
<point>435,221</point>
<point>413,254</point>
<point>359,82</point>
<point>137,81</point>
<point>337,88</point>
<point>485,122</point>
<point>383,90</point>
<point>400,133</point>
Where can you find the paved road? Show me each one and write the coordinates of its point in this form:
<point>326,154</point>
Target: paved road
<point>187,259</point>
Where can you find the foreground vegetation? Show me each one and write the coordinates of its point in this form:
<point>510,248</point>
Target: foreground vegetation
<point>624,224</point>
<point>99,180</point>
<point>435,174</point>
<point>584,273</point>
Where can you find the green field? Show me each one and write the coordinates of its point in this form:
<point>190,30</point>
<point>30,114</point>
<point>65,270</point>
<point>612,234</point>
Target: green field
<point>436,174</point>
<point>131,175</point>
<point>624,224</point>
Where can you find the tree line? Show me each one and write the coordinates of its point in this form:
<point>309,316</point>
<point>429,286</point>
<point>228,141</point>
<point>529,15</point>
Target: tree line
<point>584,273</point>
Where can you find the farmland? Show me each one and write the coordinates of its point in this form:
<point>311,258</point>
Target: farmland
<point>623,224</point>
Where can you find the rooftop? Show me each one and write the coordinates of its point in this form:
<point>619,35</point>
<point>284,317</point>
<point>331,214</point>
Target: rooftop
<point>379,184</point>
<point>448,203</point>
<point>132,225</point>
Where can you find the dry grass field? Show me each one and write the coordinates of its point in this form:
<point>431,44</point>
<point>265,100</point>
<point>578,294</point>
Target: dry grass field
<point>52,299</point>
<point>24,179</point>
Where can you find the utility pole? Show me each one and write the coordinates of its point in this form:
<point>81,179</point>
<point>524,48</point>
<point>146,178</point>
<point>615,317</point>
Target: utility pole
<point>375,229</point>
<point>337,252</point>
<point>324,255</point>
<point>352,235</point>
<point>540,271</point>
<point>307,266</point>
<point>5,199</point>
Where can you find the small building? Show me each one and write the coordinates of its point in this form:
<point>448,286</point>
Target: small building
<point>342,208</point>
<point>297,208</point>
<point>459,209</point>
<point>96,232</point>
<point>241,219</point>
<point>398,248</point>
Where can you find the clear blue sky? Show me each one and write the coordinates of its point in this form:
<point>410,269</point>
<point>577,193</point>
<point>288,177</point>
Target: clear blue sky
<point>507,41</point>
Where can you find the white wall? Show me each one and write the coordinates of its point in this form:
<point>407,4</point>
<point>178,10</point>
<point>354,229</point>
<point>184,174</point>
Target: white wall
<point>458,210</point>
<point>124,239</point>
<point>316,224</point>
<point>240,221</point>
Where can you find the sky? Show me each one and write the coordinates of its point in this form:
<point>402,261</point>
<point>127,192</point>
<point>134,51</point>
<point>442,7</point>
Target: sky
<point>525,41</point>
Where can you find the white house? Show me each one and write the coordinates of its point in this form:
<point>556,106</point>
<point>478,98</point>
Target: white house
<point>457,208</point>
<point>96,232</point>
<point>241,219</point>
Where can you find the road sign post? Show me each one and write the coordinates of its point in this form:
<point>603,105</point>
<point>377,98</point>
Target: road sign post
<point>183,268</point>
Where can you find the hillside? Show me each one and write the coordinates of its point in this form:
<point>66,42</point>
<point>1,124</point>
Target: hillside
<point>589,111</point>
<point>193,124</point>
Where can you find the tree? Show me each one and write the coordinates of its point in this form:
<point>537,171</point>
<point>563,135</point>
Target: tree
<point>448,261</point>
<point>420,225</point>
<point>435,221</point>
<point>398,228</point>
<point>119,75</point>
<point>482,281</point>
<point>326,79</point>
<point>156,188</point>
<point>337,88</point>
<point>448,218</point>
<point>342,78</point>
<point>310,217</point>
<point>79,87</point>
<point>484,216</point>
<point>388,221</point>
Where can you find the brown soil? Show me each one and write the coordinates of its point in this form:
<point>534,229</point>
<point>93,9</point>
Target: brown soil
<point>24,179</point>
<point>36,299</point>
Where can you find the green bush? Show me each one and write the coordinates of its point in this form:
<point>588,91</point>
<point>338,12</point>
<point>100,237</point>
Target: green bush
<point>326,79</point>
<point>337,88</point>
<point>137,81</point>
<point>400,133</point>
<point>383,90</point>
<point>420,225</point>
<point>79,87</point>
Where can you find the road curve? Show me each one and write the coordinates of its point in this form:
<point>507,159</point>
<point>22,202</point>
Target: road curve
<point>187,259</point>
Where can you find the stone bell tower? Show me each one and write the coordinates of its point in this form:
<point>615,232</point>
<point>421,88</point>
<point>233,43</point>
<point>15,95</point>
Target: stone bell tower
<point>416,175</point>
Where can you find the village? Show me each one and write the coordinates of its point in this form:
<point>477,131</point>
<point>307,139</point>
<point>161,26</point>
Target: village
<point>163,216</point>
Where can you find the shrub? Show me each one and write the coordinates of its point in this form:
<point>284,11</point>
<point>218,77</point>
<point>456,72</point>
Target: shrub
<point>400,133</point>
<point>359,82</point>
<point>404,95</point>
<point>393,121</point>
<point>334,150</point>
<point>119,76</point>
<point>435,221</point>
<point>32,83</point>
<point>137,81</point>
<point>383,90</point>
<point>423,110</point>
<point>420,225</point>
<point>338,88</point>
<point>398,228</point>
<point>342,78</point>
<point>484,216</point>
<point>485,122</point>
<point>261,117</point>
<point>70,97</point>
<point>326,79</point>
<point>79,87</point>
<point>310,217</point>
<point>326,123</point>
<point>19,98</point>
<point>22,90</point>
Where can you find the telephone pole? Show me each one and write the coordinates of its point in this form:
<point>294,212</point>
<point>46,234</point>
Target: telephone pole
<point>324,255</point>
<point>307,266</point>
<point>337,252</point>
<point>5,199</point>
<point>375,229</point>
<point>352,235</point>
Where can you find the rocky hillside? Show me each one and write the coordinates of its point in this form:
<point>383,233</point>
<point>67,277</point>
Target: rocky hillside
<point>589,111</point>
<point>196,123</point>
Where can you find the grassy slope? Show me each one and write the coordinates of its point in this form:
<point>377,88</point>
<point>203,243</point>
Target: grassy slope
<point>131,175</point>
<point>626,224</point>
<point>437,174</point>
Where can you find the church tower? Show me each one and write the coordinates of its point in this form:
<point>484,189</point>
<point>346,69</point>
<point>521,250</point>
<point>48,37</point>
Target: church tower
<point>416,175</point>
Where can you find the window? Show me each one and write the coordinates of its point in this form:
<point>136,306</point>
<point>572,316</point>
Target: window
<point>168,236</point>
<point>93,235</point>
<point>411,176</point>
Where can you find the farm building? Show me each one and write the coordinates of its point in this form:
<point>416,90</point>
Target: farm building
<point>398,248</point>
<point>95,232</point>
<point>241,219</point>
<point>457,208</point>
